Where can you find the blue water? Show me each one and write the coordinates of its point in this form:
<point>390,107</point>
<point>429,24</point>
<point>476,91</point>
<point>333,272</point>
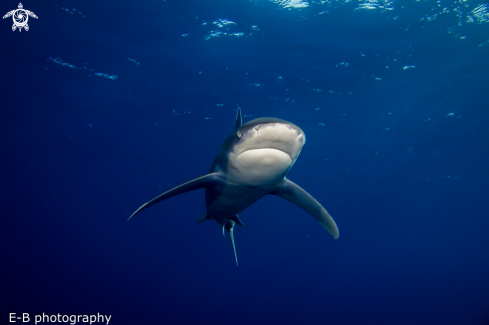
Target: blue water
<point>105,105</point>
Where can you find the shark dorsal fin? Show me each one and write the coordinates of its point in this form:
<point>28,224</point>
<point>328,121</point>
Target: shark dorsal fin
<point>239,119</point>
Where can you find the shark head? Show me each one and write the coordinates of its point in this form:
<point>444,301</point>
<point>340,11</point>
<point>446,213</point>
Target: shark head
<point>263,150</point>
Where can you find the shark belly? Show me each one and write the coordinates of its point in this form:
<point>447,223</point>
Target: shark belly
<point>234,199</point>
<point>254,174</point>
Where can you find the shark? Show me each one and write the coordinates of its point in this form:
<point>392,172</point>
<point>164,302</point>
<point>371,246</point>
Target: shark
<point>252,162</point>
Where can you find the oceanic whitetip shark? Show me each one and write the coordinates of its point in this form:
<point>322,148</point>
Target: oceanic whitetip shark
<point>253,161</point>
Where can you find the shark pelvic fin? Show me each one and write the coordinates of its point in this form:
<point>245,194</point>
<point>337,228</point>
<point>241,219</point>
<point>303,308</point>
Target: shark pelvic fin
<point>237,220</point>
<point>204,218</point>
<point>239,119</point>
<point>230,230</point>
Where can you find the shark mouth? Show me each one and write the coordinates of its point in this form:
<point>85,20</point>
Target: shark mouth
<point>256,149</point>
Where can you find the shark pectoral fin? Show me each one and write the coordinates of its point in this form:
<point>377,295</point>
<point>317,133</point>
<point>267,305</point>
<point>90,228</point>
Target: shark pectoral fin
<point>239,119</point>
<point>295,194</point>
<point>209,180</point>
<point>230,230</point>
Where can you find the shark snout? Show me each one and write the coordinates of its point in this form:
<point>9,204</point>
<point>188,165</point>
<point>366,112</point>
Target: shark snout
<point>279,136</point>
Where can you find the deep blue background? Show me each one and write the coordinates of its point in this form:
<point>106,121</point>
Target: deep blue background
<point>405,181</point>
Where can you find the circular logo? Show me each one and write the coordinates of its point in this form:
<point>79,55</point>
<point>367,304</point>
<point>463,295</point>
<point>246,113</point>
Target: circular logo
<point>20,18</point>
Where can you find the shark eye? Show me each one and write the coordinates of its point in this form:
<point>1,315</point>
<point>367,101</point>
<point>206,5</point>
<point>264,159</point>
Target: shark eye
<point>239,134</point>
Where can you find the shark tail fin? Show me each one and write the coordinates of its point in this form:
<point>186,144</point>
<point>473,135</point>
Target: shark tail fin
<point>230,230</point>
<point>227,223</point>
